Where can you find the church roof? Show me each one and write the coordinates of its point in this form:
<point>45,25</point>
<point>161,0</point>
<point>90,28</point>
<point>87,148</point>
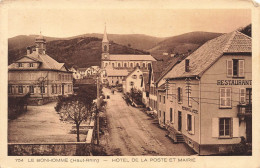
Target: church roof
<point>130,57</point>
<point>117,72</point>
<point>210,52</point>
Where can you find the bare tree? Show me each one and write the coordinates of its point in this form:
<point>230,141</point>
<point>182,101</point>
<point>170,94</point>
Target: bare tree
<point>75,109</point>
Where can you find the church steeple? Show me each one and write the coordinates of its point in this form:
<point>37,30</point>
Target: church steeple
<point>105,40</point>
<point>105,43</point>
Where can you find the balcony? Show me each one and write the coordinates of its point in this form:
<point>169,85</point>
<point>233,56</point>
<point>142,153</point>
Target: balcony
<point>244,110</point>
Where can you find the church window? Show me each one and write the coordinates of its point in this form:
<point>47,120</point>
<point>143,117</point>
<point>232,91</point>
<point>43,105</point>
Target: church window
<point>125,65</point>
<point>144,65</point>
<point>113,64</point>
<point>131,65</point>
<point>105,48</point>
<point>137,64</point>
<point>119,65</point>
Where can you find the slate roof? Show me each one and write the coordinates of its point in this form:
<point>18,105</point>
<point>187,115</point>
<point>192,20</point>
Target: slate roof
<point>130,57</point>
<point>208,53</point>
<point>117,72</point>
<point>158,68</point>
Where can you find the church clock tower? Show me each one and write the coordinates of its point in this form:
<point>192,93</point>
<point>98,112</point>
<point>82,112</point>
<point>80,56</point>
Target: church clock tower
<point>105,46</point>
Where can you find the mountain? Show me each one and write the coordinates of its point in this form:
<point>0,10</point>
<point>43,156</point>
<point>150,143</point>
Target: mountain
<point>138,41</point>
<point>81,51</point>
<point>184,43</point>
<point>23,41</point>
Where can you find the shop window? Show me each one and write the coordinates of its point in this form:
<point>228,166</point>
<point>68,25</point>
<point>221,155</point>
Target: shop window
<point>10,90</point>
<point>225,98</point>
<point>235,68</point>
<point>31,89</point>
<point>179,95</point>
<point>225,127</point>
<point>20,89</point>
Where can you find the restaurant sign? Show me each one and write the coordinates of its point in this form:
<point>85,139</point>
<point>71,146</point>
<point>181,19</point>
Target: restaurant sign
<point>190,109</point>
<point>234,82</point>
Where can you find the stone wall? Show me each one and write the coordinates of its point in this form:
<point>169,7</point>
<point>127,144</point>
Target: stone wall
<point>54,149</point>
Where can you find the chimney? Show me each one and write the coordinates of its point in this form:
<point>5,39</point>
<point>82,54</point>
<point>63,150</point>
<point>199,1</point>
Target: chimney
<point>187,65</point>
<point>28,50</point>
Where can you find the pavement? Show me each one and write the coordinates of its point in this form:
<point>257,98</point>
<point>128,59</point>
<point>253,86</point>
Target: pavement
<point>40,124</point>
<point>132,133</point>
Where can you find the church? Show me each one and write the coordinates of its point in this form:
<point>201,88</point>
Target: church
<point>120,63</point>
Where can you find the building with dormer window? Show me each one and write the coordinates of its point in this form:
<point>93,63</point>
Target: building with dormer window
<point>39,74</point>
<point>209,96</point>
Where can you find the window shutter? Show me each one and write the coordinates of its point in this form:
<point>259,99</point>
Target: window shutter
<point>181,94</point>
<point>186,121</point>
<point>193,124</point>
<point>228,97</point>
<point>242,96</point>
<point>222,97</point>
<point>215,127</point>
<point>235,127</point>
<point>241,65</point>
<point>229,68</point>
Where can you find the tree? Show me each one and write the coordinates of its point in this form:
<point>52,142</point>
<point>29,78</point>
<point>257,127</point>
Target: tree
<point>76,108</point>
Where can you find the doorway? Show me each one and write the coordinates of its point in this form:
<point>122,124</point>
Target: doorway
<point>179,121</point>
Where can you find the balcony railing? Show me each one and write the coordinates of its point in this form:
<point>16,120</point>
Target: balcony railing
<point>244,110</point>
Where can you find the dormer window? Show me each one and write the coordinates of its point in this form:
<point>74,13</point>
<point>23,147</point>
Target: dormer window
<point>20,64</point>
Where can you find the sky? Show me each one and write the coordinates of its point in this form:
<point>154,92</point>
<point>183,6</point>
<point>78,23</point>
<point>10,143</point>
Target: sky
<point>155,22</point>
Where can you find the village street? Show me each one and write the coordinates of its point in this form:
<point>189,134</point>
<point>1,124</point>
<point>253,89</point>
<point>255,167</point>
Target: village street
<point>131,132</point>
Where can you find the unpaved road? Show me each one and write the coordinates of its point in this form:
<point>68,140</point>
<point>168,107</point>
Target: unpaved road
<point>132,133</point>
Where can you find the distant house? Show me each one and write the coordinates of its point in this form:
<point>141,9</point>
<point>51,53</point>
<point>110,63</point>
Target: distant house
<point>145,86</point>
<point>75,73</point>
<point>82,72</point>
<point>134,80</point>
<point>115,76</point>
<point>39,75</point>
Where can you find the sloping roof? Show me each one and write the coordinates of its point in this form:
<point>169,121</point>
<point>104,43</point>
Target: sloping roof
<point>117,72</point>
<point>158,68</point>
<point>207,54</point>
<point>127,57</point>
<point>137,67</point>
<point>46,61</point>
<point>171,63</point>
<point>162,87</point>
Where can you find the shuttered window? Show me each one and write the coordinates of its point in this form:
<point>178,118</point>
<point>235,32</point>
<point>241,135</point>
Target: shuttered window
<point>242,96</point>
<point>179,95</point>
<point>235,68</point>
<point>225,98</point>
<point>225,127</point>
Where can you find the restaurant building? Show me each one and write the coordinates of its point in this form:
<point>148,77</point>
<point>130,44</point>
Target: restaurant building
<point>209,96</point>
